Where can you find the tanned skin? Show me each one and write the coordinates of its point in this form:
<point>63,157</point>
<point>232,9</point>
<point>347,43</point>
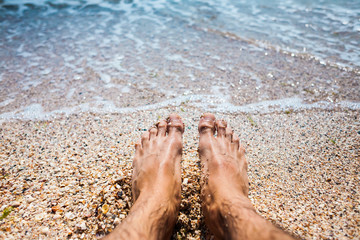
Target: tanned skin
<point>156,183</point>
<point>156,187</point>
<point>227,209</point>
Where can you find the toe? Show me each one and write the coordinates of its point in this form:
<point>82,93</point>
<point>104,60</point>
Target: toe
<point>153,132</point>
<point>236,142</point>
<point>138,149</point>
<point>145,139</point>
<point>229,133</point>
<point>175,124</point>
<point>221,128</point>
<point>242,150</point>
<point>138,146</point>
<point>161,126</point>
<point>207,124</point>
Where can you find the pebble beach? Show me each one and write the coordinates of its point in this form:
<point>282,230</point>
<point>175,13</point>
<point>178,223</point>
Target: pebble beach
<point>81,81</point>
<point>71,177</point>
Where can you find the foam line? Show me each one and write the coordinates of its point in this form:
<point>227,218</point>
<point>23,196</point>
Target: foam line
<point>211,103</point>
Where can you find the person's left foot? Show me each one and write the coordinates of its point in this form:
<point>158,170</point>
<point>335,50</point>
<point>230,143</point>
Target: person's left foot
<point>157,162</point>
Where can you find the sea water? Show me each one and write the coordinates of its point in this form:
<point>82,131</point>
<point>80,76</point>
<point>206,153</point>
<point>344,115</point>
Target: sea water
<point>127,55</point>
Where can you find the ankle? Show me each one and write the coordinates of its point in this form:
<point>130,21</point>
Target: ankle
<point>220,203</point>
<point>223,213</point>
<point>229,202</point>
<point>158,197</point>
<point>147,219</point>
<point>224,189</point>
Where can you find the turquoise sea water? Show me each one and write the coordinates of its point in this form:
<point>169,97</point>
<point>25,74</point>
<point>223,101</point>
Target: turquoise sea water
<point>125,55</point>
<point>329,29</point>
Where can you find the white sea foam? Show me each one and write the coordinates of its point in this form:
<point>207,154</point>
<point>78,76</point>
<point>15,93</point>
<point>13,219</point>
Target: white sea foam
<point>105,77</point>
<point>31,84</point>
<point>177,58</point>
<point>70,93</point>
<point>122,88</point>
<point>6,102</point>
<point>211,103</point>
<point>46,71</point>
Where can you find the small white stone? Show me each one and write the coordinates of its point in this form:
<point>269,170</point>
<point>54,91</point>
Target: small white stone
<point>30,199</point>
<point>15,204</point>
<point>39,217</point>
<point>45,230</point>
<point>69,215</point>
<point>117,221</point>
<point>81,226</point>
<point>186,180</point>
<point>122,216</point>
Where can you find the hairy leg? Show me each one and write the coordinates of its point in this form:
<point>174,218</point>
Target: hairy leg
<point>156,183</point>
<point>228,212</point>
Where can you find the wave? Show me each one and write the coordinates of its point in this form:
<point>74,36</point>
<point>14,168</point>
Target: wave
<point>207,103</point>
<point>327,32</point>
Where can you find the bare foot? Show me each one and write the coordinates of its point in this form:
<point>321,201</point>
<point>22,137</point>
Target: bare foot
<point>156,183</point>
<point>228,212</point>
<point>223,158</point>
<point>224,179</point>
<point>157,161</point>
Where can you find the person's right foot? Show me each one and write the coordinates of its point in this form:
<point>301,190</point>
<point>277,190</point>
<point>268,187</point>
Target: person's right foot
<point>224,179</point>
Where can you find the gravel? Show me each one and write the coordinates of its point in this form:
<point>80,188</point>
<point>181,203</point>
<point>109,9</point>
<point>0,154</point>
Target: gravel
<point>70,177</point>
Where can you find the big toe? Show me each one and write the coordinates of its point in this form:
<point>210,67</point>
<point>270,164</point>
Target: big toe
<point>207,124</point>
<point>175,125</point>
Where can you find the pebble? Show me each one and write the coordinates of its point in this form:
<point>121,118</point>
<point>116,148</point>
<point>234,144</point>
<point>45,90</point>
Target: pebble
<point>39,217</point>
<point>30,199</point>
<point>87,214</point>
<point>55,208</point>
<point>15,204</point>
<point>69,215</point>
<point>45,230</point>
<point>105,208</point>
<point>81,226</point>
<point>299,201</point>
<point>117,221</point>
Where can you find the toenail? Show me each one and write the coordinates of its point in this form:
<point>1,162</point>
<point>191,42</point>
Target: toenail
<point>208,115</point>
<point>161,124</point>
<point>175,122</point>
<point>206,119</point>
